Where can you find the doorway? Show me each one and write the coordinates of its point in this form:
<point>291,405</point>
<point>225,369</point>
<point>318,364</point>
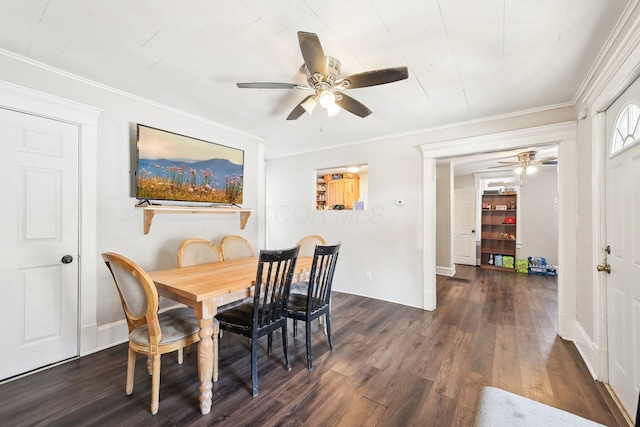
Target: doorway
<point>39,320</point>
<point>564,134</point>
<point>85,118</point>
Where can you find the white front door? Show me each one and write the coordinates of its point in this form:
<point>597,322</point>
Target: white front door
<point>464,224</point>
<point>623,238</point>
<point>39,245</point>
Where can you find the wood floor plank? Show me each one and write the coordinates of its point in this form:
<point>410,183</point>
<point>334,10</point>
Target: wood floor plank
<point>484,349</point>
<point>407,404</point>
<point>392,365</point>
<point>362,413</point>
<point>533,372</point>
<point>506,368</point>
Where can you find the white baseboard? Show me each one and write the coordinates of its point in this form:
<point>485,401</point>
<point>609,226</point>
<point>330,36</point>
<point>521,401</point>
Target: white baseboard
<point>446,271</point>
<point>88,336</point>
<point>587,349</point>
<point>112,334</point>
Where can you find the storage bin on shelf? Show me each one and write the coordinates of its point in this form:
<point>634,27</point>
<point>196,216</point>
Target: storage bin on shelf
<point>507,261</point>
<point>498,260</point>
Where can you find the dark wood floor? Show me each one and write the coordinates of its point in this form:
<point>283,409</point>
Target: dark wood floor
<point>392,366</point>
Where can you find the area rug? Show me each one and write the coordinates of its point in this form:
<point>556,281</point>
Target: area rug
<point>497,408</point>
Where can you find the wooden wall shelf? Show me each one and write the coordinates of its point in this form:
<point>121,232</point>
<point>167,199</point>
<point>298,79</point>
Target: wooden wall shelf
<point>150,211</point>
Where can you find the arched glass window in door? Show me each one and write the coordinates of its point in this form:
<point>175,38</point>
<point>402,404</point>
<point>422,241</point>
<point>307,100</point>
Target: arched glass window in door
<point>627,128</point>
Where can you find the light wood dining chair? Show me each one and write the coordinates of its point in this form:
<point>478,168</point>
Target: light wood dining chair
<point>316,303</point>
<point>151,333</point>
<point>196,251</point>
<point>236,247</point>
<point>267,310</point>
<point>308,244</point>
<point>307,248</point>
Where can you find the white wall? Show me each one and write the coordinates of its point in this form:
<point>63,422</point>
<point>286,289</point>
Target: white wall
<point>385,239</point>
<point>538,219</point>
<point>444,220</point>
<point>119,225</point>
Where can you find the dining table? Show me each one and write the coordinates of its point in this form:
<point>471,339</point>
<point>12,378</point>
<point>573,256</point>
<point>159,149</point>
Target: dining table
<point>205,287</point>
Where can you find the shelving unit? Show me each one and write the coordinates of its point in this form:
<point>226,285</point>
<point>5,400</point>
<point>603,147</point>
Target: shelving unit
<point>321,194</point>
<point>498,239</point>
<point>150,211</point>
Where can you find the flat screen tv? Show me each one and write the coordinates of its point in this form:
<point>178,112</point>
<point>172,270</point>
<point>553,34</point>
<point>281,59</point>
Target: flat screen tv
<point>180,168</point>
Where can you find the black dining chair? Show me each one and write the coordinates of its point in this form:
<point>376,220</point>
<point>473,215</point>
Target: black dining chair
<point>267,311</point>
<point>316,302</point>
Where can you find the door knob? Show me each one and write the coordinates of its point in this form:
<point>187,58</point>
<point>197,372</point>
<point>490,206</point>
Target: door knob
<point>473,231</point>
<point>67,259</point>
<point>605,267</point>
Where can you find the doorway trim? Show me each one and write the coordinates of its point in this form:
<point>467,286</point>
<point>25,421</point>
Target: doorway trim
<point>29,101</point>
<point>564,135</point>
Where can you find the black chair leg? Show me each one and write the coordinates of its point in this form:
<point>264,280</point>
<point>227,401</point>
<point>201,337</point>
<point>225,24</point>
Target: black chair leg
<point>308,340</point>
<point>269,344</point>
<point>328,325</point>
<point>295,328</point>
<point>285,346</point>
<point>254,365</point>
<point>638,413</point>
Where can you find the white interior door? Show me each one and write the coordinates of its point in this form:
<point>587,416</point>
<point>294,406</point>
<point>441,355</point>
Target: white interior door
<point>39,308</point>
<point>623,238</point>
<point>464,224</point>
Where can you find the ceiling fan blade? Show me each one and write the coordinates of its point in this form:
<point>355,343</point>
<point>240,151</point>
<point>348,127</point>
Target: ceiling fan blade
<point>546,159</point>
<point>270,85</point>
<point>374,77</point>
<point>502,166</point>
<point>351,105</point>
<point>510,163</point>
<point>312,53</point>
<point>299,110</point>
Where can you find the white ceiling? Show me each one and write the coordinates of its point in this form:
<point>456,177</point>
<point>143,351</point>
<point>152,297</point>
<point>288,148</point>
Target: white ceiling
<point>467,60</point>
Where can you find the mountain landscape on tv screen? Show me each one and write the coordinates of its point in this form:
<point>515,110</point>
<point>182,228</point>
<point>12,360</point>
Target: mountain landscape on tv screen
<point>214,180</point>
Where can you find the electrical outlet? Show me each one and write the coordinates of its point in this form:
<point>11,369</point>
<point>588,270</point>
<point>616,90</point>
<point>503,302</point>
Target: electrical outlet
<point>369,275</point>
<point>399,202</point>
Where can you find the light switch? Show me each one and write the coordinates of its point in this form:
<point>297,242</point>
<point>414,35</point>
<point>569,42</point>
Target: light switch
<point>399,202</point>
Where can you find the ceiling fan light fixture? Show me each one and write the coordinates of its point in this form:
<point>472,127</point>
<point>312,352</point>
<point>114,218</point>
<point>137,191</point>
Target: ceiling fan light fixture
<point>326,98</point>
<point>333,109</point>
<point>531,170</point>
<point>518,170</point>
<point>309,105</point>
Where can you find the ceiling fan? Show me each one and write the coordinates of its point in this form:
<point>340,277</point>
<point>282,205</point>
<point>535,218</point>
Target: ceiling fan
<point>323,79</point>
<point>525,166</point>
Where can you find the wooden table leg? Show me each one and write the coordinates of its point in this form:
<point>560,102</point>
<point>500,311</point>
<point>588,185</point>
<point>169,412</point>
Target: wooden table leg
<point>204,313</point>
